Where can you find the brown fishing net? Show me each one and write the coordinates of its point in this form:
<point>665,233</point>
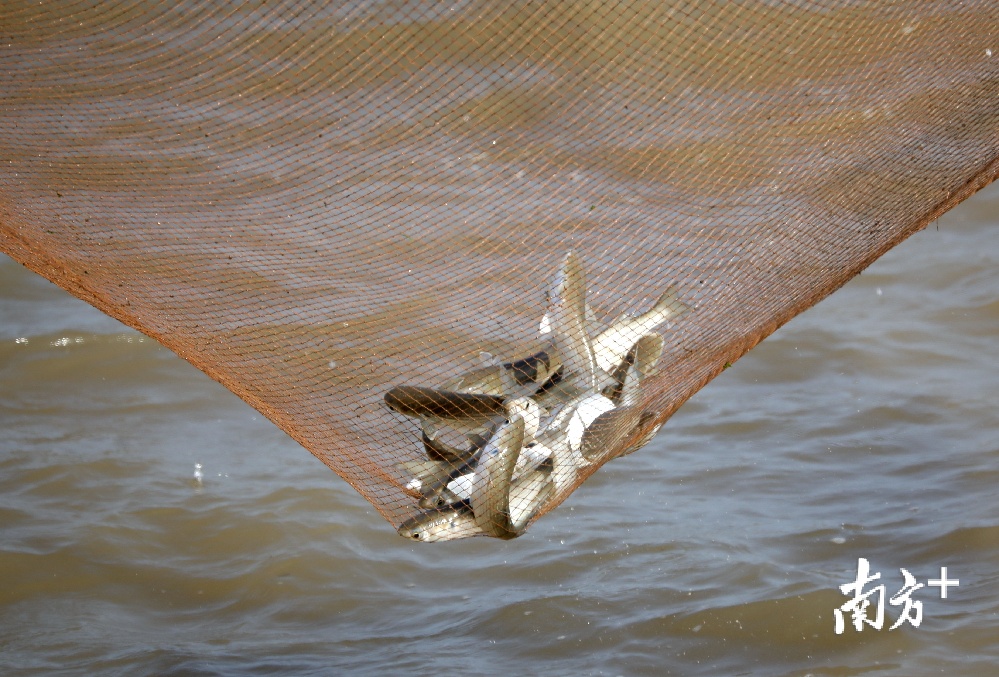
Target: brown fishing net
<point>326,206</point>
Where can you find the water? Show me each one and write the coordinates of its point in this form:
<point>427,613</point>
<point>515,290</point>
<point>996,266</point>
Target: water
<point>865,428</point>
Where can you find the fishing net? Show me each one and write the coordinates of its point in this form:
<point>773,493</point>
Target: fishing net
<point>358,216</point>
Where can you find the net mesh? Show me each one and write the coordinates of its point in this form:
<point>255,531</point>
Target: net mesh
<point>320,204</point>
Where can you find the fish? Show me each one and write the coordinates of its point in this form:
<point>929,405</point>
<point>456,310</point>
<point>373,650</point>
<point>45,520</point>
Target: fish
<point>612,344</point>
<point>490,491</point>
<point>530,411</point>
<point>424,473</point>
<point>463,412</point>
<point>519,378</point>
<point>545,326</point>
<point>646,437</point>
<point>433,487</point>
<point>607,430</point>
<point>441,524</point>
<point>533,459</point>
<point>457,520</point>
<point>528,494</point>
<point>561,438</point>
<point>423,402</point>
<point>586,412</point>
<point>532,456</point>
<point>437,450</point>
<point>643,356</point>
<point>445,465</point>
<point>567,319</point>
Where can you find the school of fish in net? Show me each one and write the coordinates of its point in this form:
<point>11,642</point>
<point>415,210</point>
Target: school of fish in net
<point>503,439</point>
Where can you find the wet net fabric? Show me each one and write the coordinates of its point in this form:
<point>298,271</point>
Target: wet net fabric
<point>318,203</point>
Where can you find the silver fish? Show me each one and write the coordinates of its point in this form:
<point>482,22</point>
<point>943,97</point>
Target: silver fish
<point>424,472</point>
<point>458,478</point>
<point>567,317</point>
<point>643,356</point>
<point>530,411</point>
<point>527,494</point>
<point>606,432</point>
<point>457,519</point>
<point>612,344</point>
<point>562,436</point>
<point>532,460</point>
<point>490,495</point>
<point>520,378</point>
<point>442,524</point>
<point>432,484</point>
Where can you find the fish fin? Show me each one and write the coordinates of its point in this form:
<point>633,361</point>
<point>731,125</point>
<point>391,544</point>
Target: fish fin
<point>646,352</point>
<point>545,327</point>
<point>670,302</point>
<point>489,360</point>
<point>644,420</point>
<point>429,429</point>
<point>607,431</point>
<point>591,324</point>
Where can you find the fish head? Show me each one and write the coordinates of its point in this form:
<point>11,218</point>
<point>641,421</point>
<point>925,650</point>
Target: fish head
<point>441,524</point>
<point>529,410</point>
<point>509,437</point>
